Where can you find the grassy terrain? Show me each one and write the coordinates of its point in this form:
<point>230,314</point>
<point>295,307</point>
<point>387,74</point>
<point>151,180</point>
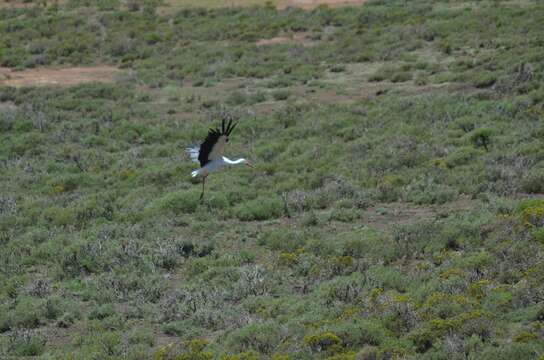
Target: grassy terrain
<point>396,210</point>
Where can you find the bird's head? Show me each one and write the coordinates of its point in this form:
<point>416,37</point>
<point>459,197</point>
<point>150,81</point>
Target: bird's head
<point>248,163</point>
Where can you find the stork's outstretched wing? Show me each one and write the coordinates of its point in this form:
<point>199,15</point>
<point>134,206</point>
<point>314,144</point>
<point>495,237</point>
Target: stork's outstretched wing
<point>213,146</point>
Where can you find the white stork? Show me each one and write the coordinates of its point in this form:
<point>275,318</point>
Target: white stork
<point>210,153</point>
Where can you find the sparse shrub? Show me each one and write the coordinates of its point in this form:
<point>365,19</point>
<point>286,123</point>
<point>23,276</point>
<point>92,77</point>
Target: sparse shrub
<point>524,336</point>
<point>189,350</point>
<point>178,202</point>
<point>481,137</point>
<point>326,341</point>
<point>101,312</point>
<point>412,239</point>
<point>309,219</point>
<point>425,191</point>
<point>280,95</point>
<point>141,336</point>
<point>401,77</point>
<point>350,355</point>
<point>246,355</point>
<point>217,200</point>
<point>364,243</point>
<point>342,264</point>
<point>288,259</point>
<point>60,216</point>
<point>344,289</point>
<point>465,123</point>
<point>337,68</point>
<point>133,5</point>
<point>484,79</point>
<point>54,307</point>
<point>260,337</point>
<point>259,209</point>
<point>183,328</point>
<point>538,235</point>
<point>28,313</point>
<point>462,156</point>
<point>532,213</point>
<point>533,181</point>
<point>289,241</point>
<point>67,320</point>
<point>386,192</point>
<point>26,343</point>
<point>236,98</point>
<point>344,215</point>
<point>253,281</point>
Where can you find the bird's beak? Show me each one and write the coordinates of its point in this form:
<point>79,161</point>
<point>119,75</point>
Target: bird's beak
<point>250,165</point>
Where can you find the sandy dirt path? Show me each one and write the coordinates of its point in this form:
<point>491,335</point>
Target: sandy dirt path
<point>62,76</point>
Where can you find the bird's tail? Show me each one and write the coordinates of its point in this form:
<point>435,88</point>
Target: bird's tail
<point>193,153</point>
<point>194,173</point>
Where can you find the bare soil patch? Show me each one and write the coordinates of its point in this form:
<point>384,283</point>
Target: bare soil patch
<point>298,38</point>
<point>386,216</point>
<point>61,77</point>
<point>274,41</point>
<point>171,6</point>
<point>8,105</point>
<point>310,4</point>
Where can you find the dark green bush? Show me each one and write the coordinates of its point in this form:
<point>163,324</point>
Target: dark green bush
<point>481,137</point>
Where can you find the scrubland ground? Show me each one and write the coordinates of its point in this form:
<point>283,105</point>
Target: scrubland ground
<point>396,210</point>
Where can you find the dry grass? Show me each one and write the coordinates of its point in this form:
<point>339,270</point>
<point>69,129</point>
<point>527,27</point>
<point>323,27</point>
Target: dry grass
<point>63,77</point>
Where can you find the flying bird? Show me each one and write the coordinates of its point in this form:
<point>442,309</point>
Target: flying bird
<point>210,153</point>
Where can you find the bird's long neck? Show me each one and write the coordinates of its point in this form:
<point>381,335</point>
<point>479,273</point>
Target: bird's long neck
<point>233,162</point>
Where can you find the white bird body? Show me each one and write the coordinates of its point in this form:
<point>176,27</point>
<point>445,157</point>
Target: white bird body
<point>215,165</point>
<point>210,153</point>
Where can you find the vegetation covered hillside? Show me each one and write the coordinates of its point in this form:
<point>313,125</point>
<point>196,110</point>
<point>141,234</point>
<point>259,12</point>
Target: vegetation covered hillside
<point>396,210</point>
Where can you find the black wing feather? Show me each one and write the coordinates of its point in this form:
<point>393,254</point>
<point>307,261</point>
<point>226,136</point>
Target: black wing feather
<point>211,139</point>
<point>207,146</point>
<point>230,128</point>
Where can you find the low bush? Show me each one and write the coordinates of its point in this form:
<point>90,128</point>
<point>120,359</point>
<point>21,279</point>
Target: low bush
<point>177,202</point>
<point>533,182</point>
<point>262,208</point>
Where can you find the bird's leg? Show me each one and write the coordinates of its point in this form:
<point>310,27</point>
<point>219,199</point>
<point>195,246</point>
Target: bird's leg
<point>203,183</point>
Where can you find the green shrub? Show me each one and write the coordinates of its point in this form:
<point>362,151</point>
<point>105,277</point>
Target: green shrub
<point>27,343</point>
<point>344,215</point>
<point>533,181</point>
<point>101,312</point>
<point>538,235</point>
<point>401,77</point>
<point>326,341</point>
<point>236,98</point>
<point>356,333</point>
<point>262,208</point>
<point>484,79</point>
<point>261,337</point>
<point>465,123</point>
<point>60,216</point>
<point>280,95</point>
<point>462,156</point>
<point>178,202</point>
<point>481,137</point>
<point>28,313</point>
<point>288,241</point>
